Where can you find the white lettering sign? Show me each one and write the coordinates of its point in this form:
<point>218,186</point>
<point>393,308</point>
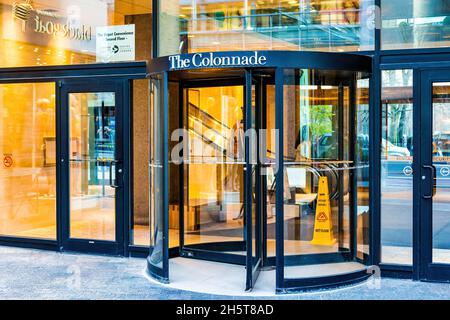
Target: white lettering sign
<point>115,43</point>
<point>210,60</point>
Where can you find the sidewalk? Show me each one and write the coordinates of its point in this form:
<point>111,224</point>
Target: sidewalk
<point>35,274</point>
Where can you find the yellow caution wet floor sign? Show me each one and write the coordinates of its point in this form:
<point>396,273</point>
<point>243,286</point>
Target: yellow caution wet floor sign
<point>323,224</point>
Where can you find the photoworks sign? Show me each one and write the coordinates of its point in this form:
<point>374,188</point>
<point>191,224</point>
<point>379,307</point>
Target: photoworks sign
<point>215,60</point>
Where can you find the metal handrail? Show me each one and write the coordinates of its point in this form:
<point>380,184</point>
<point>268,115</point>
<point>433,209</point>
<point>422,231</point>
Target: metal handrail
<point>302,19</point>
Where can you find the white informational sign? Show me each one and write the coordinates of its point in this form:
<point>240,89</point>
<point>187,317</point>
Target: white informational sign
<point>115,43</point>
<point>296,177</point>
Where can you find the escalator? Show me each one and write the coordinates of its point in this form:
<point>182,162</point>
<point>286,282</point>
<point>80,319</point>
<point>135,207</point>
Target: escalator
<point>217,135</point>
<point>208,129</point>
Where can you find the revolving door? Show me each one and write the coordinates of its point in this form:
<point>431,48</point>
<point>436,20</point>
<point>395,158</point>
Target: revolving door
<point>263,166</point>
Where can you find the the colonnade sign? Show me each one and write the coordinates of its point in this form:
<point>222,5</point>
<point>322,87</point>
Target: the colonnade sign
<point>213,60</point>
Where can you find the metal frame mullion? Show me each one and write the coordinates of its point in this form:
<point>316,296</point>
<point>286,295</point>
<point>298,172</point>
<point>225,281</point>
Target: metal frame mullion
<point>165,135</point>
<point>279,176</point>
<point>375,163</point>
<point>248,192</point>
<point>417,188</point>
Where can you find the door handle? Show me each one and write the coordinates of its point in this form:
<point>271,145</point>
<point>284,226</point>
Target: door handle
<point>433,177</point>
<point>111,182</point>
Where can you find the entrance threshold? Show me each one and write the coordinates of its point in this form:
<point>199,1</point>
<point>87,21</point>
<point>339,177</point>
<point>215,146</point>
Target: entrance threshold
<point>226,279</point>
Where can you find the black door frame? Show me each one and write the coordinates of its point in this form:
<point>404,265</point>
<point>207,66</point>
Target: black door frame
<point>212,251</point>
<point>215,251</point>
<point>208,251</point>
<point>429,271</point>
<point>67,87</point>
<point>421,62</point>
<point>126,71</point>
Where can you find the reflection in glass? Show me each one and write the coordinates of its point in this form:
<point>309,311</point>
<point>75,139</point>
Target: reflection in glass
<point>441,162</point>
<point>156,174</point>
<point>269,175</point>
<point>415,24</point>
<point>206,25</point>
<point>28,166</point>
<point>396,167</point>
<point>29,37</point>
<point>214,173</point>
<point>362,166</point>
<point>92,165</point>
<point>316,136</point>
<point>140,229</point>
<point>326,165</point>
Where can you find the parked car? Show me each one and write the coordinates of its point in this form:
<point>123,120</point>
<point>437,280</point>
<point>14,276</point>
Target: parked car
<point>389,149</point>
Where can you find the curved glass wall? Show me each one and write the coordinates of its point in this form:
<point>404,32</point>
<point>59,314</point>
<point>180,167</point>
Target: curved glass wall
<point>325,167</point>
<point>260,159</point>
<point>206,25</point>
<point>158,181</point>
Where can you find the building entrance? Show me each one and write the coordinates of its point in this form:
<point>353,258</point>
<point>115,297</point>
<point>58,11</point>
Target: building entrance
<point>266,167</point>
<point>92,155</point>
<point>433,164</point>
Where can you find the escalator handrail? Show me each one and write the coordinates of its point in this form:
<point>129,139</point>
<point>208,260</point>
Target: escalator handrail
<point>220,123</point>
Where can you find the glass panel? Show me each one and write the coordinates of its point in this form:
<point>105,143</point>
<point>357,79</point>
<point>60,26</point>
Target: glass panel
<point>268,173</point>
<point>28,167</point>
<point>174,168</point>
<point>396,167</point>
<point>362,166</point>
<point>415,24</point>
<point>92,167</point>
<point>62,32</point>
<point>223,25</point>
<point>317,164</point>
<point>156,174</point>
<point>441,161</point>
<point>252,138</point>
<point>214,171</point>
<point>140,233</point>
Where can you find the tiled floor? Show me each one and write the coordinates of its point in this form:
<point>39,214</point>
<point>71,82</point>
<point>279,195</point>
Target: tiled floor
<point>34,274</point>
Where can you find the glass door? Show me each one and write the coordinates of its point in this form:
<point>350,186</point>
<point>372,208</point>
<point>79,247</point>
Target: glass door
<point>254,179</point>
<point>435,175</point>
<point>221,219</point>
<point>213,173</point>
<point>92,219</point>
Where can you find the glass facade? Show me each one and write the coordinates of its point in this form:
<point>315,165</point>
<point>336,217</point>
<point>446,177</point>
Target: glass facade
<point>362,166</point>
<point>397,166</point>
<point>316,131</point>
<point>205,25</point>
<point>62,32</point>
<point>410,24</point>
<point>223,196</point>
<point>214,180</point>
<point>320,148</point>
<point>156,174</point>
<point>140,219</point>
<point>441,159</point>
<point>28,169</point>
<point>92,154</point>
<point>325,128</point>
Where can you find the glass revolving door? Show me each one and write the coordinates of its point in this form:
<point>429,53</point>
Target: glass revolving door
<point>262,166</point>
<point>323,206</point>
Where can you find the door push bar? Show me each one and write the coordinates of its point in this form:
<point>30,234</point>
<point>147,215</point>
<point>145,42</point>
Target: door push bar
<point>433,174</point>
<point>111,183</point>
